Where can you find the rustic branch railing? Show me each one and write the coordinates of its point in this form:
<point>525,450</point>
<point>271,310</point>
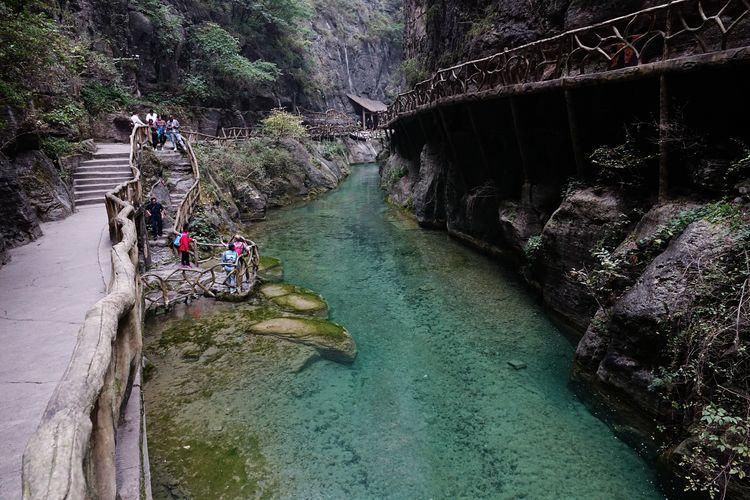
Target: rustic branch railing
<point>329,124</point>
<point>228,135</point>
<point>188,283</point>
<point>72,452</point>
<point>187,206</point>
<point>651,36</point>
<point>236,133</point>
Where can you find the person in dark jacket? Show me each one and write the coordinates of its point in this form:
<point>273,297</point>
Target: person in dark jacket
<point>155,211</point>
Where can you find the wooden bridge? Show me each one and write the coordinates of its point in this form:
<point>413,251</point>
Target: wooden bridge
<point>677,37</point>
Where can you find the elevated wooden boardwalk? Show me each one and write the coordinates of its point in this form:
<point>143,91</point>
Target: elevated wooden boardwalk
<point>680,36</point>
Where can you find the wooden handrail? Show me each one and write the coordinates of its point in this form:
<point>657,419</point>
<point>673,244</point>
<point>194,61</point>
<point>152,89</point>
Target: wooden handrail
<point>639,39</point>
<point>72,452</point>
<point>188,204</point>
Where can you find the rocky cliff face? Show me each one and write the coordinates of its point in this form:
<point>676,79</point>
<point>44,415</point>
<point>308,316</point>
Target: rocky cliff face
<point>357,50</point>
<point>440,33</point>
<point>653,292</point>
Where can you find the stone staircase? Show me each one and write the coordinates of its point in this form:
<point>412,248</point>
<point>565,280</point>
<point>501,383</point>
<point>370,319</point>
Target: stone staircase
<point>179,177</point>
<point>95,177</point>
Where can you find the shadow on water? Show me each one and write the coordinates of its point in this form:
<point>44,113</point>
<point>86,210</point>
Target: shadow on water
<point>431,408</point>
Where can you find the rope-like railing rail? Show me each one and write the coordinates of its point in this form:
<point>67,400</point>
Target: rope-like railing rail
<point>72,452</point>
<point>649,37</point>
<point>188,204</point>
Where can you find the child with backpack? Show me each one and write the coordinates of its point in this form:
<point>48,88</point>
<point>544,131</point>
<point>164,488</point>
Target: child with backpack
<point>230,259</point>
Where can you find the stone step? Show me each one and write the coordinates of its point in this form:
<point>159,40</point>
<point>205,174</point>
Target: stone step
<point>90,194</point>
<point>111,156</point>
<point>99,174</point>
<point>102,180</point>
<point>102,168</point>
<point>79,188</point>
<point>107,162</point>
<point>94,200</point>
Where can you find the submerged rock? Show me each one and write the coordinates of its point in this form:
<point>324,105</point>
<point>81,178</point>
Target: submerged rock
<point>270,269</point>
<point>332,341</point>
<point>294,299</point>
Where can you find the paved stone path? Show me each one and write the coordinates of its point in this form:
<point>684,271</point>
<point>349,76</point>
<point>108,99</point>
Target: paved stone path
<point>45,291</point>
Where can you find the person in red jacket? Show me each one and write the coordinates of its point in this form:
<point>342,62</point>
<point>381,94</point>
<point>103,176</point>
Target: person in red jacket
<point>185,242</point>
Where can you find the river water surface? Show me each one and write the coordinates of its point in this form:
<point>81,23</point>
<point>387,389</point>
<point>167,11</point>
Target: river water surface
<point>431,407</point>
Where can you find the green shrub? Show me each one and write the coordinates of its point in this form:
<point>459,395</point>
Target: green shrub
<point>333,150</point>
<point>281,124</point>
<point>33,50</point>
<point>196,87</point>
<point>105,98</point>
<point>413,71</point>
<point>216,57</point>
<point>57,147</point>
<point>67,115</point>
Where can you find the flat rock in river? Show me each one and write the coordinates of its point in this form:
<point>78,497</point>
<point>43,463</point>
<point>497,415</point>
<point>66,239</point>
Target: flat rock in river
<point>332,341</point>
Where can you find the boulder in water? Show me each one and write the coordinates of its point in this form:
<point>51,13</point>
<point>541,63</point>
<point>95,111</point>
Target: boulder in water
<point>332,341</point>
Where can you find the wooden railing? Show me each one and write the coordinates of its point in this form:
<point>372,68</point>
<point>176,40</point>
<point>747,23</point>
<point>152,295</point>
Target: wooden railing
<point>228,135</point>
<point>72,452</point>
<point>657,37</point>
<point>329,124</point>
<point>236,133</point>
<point>187,206</point>
<point>180,285</point>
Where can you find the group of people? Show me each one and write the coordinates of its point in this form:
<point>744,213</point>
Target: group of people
<point>161,130</point>
<point>239,254</point>
<point>238,248</point>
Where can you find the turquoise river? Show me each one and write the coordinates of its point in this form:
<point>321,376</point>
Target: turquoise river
<point>431,407</point>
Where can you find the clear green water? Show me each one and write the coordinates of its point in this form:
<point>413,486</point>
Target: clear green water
<point>430,409</point>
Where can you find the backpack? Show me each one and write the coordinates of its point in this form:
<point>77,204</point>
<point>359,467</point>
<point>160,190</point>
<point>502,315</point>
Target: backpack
<point>230,259</point>
<point>176,242</point>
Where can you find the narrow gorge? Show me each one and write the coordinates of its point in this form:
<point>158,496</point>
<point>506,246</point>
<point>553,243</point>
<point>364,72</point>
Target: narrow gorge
<point>388,249</point>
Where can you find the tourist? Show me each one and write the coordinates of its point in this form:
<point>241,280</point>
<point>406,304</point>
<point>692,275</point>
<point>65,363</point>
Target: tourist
<point>161,131</point>
<point>173,130</point>
<point>154,211</point>
<point>151,115</point>
<point>230,260</point>
<point>136,120</point>
<point>154,134</point>
<point>185,243</point>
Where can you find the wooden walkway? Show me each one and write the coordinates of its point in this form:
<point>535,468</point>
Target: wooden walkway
<point>680,36</point>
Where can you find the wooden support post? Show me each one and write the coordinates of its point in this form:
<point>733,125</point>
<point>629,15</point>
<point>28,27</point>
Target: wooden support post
<point>363,119</point>
<point>448,138</point>
<point>663,138</point>
<point>575,137</point>
<point>519,139</point>
<point>478,138</point>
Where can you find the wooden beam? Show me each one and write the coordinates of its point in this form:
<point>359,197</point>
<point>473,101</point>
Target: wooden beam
<point>575,137</point>
<point>518,128</point>
<point>478,138</point>
<point>448,138</point>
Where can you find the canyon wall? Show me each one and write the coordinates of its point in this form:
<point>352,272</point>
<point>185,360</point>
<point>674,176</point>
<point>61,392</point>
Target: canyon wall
<point>651,290</point>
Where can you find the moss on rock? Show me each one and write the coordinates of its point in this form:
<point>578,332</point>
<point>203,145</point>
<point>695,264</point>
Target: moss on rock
<point>294,299</point>
<point>331,340</point>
